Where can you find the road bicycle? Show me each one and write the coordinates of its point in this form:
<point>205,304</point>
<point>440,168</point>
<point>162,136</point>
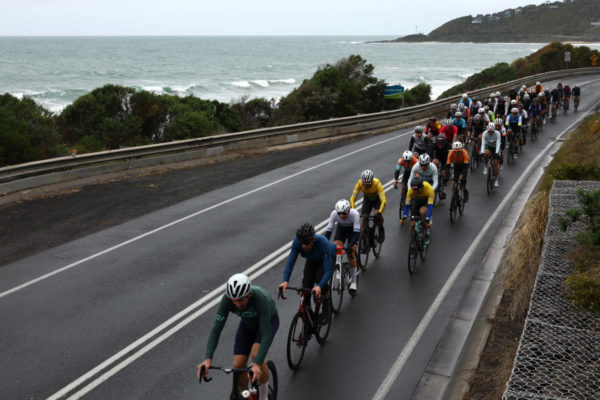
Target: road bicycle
<point>575,103</point>
<point>417,246</point>
<point>369,240</point>
<point>565,104</point>
<point>553,112</point>
<point>340,280</point>
<point>457,202</point>
<point>511,150</point>
<point>305,323</point>
<point>251,391</point>
<point>489,182</point>
<point>475,149</point>
<point>535,127</point>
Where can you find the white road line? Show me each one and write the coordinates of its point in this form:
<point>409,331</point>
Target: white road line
<point>254,271</point>
<point>135,239</point>
<point>437,302</point>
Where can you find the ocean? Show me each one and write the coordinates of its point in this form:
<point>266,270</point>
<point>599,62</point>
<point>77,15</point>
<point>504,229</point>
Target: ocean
<point>55,71</point>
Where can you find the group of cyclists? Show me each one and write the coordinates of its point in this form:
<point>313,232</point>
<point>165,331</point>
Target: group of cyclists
<point>435,152</point>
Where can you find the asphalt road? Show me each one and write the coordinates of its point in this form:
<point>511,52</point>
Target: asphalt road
<point>125,312</point>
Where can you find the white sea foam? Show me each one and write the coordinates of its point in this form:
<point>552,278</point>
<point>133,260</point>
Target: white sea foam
<point>289,81</point>
<point>241,84</point>
<point>261,82</point>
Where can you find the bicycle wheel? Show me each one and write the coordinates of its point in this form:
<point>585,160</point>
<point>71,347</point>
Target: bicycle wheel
<point>412,255</point>
<point>510,153</point>
<point>337,288</point>
<point>453,207</point>
<point>376,243</point>
<point>534,130</point>
<point>422,246</point>
<point>489,183</point>
<point>323,326</point>
<point>474,162</point>
<point>296,341</point>
<point>363,251</point>
<point>273,383</point>
<point>461,201</point>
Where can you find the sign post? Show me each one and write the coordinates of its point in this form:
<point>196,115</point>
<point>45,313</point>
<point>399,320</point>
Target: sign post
<point>395,92</point>
<point>567,58</point>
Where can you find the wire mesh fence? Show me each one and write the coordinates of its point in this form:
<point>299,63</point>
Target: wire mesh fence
<point>559,352</point>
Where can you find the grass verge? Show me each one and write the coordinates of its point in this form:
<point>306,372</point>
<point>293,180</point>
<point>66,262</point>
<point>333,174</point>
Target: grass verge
<point>577,159</point>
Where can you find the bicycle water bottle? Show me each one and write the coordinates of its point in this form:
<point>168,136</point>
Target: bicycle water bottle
<point>251,394</point>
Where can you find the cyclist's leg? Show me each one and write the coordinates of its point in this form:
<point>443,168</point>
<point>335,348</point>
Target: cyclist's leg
<point>244,339</point>
<point>256,346</point>
<point>365,211</point>
<point>379,219</point>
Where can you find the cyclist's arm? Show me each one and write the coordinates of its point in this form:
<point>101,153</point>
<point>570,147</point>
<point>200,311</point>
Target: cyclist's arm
<point>381,194</point>
<point>497,134</point>
<point>399,167</point>
<point>430,199</point>
<point>354,194</point>
<point>215,333</point>
<point>413,172</point>
<point>409,195</point>
<point>412,143</point>
<point>328,255</point>
<point>265,313</point>
<point>435,175</point>
<point>287,272</point>
<point>355,228</point>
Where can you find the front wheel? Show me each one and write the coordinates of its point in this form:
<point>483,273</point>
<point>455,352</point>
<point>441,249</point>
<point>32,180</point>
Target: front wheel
<point>461,201</point>
<point>273,383</point>
<point>377,243</point>
<point>296,342</point>
<point>363,251</point>
<point>453,208</point>
<point>337,288</point>
<point>489,183</point>
<point>412,254</point>
<point>323,325</point>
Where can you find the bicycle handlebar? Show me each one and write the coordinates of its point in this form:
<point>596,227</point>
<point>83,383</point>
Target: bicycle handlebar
<point>226,370</point>
<point>299,290</point>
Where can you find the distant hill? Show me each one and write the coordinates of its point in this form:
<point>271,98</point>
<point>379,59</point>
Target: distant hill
<point>571,20</point>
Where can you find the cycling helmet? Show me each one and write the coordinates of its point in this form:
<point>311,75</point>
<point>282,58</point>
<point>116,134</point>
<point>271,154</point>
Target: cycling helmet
<point>464,96</point>
<point>475,98</point>
<point>457,145</point>
<point>432,118</point>
<point>535,100</point>
<point>541,94</point>
<point>449,122</point>
<point>498,121</point>
<point>367,176</point>
<point>491,127</point>
<point>458,114</point>
<point>514,110</point>
<point>498,94</point>
<point>523,87</point>
<point>461,106</point>
<point>305,233</point>
<point>441,139</point>
<point>477,118</point>
<point>486,108</point>
<point>416,183</point>
<point>513,102</point>
<point>424,159</point>
<point>342,206</point>
<point>481,110</point>
<point>492,95</point>
<point>526,96</point>
<point>238,286</point>
<point>407,155</point>
<point>418,128</point>
<point>538,83</point>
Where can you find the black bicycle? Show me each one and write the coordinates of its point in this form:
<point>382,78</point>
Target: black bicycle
<point>417,246</point>
<point>535,127</point>
<point>340,280</point>
<point>251,391</point>
<point>369,240</point>
<point>457,203</point>
<point>475,149</point>
<point>305,323</point>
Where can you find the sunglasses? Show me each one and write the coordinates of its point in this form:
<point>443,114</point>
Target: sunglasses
<point>342,214</point>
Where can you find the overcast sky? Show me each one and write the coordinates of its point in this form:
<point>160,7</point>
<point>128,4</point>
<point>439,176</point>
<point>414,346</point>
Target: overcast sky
<point>236,17</point>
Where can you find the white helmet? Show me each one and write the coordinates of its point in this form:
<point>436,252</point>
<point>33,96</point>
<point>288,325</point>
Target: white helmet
<point>538,83</point>
<point>419,128</point>
<point>407,155</point>
<point>498,121</point>
<point>367,176</point>
<point>342,206</point>
<point>464,96</point>
<point>491,127</point>
<point>458,114</point>
<point>526,97</point>
<point>453,106</point>
<point>492,95</point>
<point>498,93</point>
<point>514,110</point>
<point>523,87</point>
<point>481,110</point>
<point>238,286</point>
<point>457,145</point>
<point>424,159</point>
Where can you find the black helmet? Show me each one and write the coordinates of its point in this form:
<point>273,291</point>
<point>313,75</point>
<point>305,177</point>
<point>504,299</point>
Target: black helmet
<point>416,183</point>
<point>305,233</point>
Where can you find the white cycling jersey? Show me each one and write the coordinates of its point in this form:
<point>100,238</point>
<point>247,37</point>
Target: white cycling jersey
<point>352,220</point>
<point>430,174</point>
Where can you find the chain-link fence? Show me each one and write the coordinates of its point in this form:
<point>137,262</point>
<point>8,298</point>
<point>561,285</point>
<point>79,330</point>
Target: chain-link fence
<point>559,352</point>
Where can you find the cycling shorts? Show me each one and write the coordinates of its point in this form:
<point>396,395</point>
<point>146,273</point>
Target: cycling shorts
<point>248,333</point>
<point>343,233</point>
<point>313,272</point>
<point>416,204</point>
<point>370,204</point>
<point>460,169</point>
<point>492,149</point>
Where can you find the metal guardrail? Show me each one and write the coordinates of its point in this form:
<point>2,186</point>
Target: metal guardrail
<point>23,176</point>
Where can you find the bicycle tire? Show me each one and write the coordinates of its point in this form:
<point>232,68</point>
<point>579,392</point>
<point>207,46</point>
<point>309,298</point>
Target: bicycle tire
<point>363,251</point>
<point>412,255</point>
<point>510,153</point>
<point>423,248</point>
<point>322,329</point>
<point>376,243</point>
<point>461,201</point>
<point>474,158</point>
<point>296,342</point>
<point>273,383</point>
<point>489,184</point>
<point>337,288</point>
<point>453,208</point>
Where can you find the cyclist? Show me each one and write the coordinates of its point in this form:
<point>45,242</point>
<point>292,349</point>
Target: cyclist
<point>535,110</point>
<point>348,229</point>
<point>374,199</point>
<point>452,111</point>
<point>426,170</point>
<point>432,128</point>
<point>524,117</point>
<point>490,113</point>
<point>499,126</point>
<point>320,256</point>
<point>440,154</point>
<point>501,108</point>
<point>576,92</point>
<point>464,111</point>
<point>475,106</point>
<point>404,166</point>
<point>461,126</point>
<point>449,130</point>
<point>419,201</point>
<point>465,100</point>
<point>566,95</point>
<point>418,141</point>
<point>459,158</point>
<point>513,124</point>
<point>258,325</point>
<point>555,96</point>
<point>526,101</point>
<point>537,89</point>
<point>490,148</point>
<point>543,100</point>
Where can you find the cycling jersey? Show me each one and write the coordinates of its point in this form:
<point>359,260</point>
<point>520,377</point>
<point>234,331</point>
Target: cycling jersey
<point>567,91</point>
<point>535,109</point>
<point>260,310</point>
<point>433,127</point>
<point>458,157</point>
<point>403,165</point>
<point>352,221</point>
<point>491,141</point>
<point>441,153</point>
<point>418,143</point>
<point>501,108</point>
<point>460,124</point>
<point>430,174</point>
<point>372,192</point>
<point>514,122</point>
<point>576,91</point>
<point>555,96</point>
<point>426,193</point>
<point>322,251</point>
<point>449,131</point>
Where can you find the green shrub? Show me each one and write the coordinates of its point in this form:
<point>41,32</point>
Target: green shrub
<point>584,290</point>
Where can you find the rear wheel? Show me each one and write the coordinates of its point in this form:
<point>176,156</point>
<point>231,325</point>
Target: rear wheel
<point>490,180</point>
<point>453,208</point>
<point>377,244</point>
<point>323,325</point>
<point>422,246</point>
<point>296,342</point>
<point>474,162</point>
<point>273,383</point>
<point>461,201</point>
<point>337,288</point>
<point>363,251</point>
<point>412,255</point>
<point>510,152</point>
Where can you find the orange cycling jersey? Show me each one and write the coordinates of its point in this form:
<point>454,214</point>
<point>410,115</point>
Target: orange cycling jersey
<point>408,165</point>
<point>457,157</point>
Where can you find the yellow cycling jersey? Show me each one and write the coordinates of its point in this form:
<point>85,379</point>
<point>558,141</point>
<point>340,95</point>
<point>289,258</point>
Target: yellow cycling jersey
<point>372,192</point>
<point>427,192</point>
